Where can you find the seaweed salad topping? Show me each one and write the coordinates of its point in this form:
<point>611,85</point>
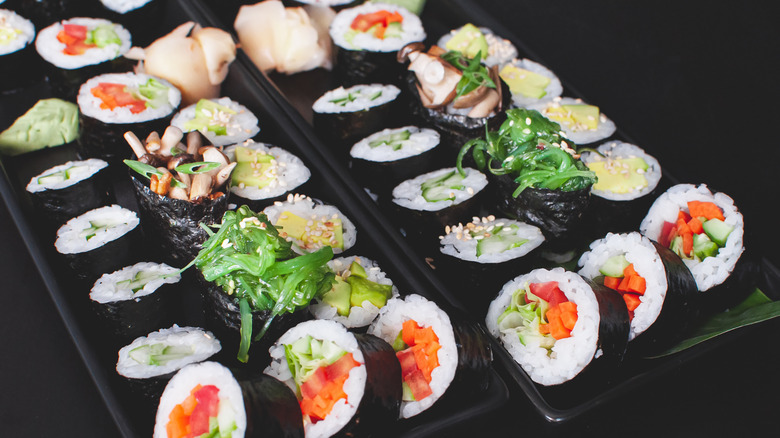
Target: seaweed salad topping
<point>530,148</point>
<point>248,258</point>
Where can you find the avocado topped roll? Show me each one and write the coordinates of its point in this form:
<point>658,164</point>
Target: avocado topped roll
<point>470,40</point>
<point>222,121</point>
<point>360,290</point>
<point>530,82</point>
<point>580,122</point>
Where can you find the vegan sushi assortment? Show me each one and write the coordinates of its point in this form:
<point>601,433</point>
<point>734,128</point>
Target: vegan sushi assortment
<point>469,149</point>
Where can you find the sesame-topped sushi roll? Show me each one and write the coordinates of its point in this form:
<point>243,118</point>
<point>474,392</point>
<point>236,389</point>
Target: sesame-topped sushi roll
<point>580,122</point>
<point>79,48</point>
<point>470,40</point>
<point>114,103</point>
<point>17,60</point>
<point>360,290</point>
<point>367,38</point>
<point>222,121</point>
<point>530,83</point>
<point>311,224</point>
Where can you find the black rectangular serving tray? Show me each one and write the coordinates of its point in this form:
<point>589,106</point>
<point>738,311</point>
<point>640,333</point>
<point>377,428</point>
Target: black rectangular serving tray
<point>133,415</point>
<point>296,93</point>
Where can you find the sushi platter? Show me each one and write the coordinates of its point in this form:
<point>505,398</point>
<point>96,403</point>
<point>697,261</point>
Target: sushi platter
<point>405,221</point>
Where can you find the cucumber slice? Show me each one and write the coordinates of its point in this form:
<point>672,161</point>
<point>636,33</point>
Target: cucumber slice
<point>614,266</point>
<point>703,247</point>
<point>440,188</point>
<point>394,140</point>
<point>718,231</point>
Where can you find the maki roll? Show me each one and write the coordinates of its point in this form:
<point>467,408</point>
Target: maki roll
<point>311,225</point>
<point>554,323</point>
<point>149,362</point>
<point>580,122</point>
<point>626,178</point>
<point>367,38</point>
<point>264,173</point>
<point>360,291</point>
<point>659,290</point>
<point>387,157</point>
<point>470,40</point>
<point>222,121</point>
<point>530,82</point>
<point>133,300</point>
<point>17,60</point>
<point>348,114</point>
<point>112,104</point>
<point>80,48</point>
<point>251,278</point>
<point>539,177</point>
<point>206,399</point>
<point>704,228</point>
<point>99,241</point>
<point>346,383</point>
<point>70,189</point>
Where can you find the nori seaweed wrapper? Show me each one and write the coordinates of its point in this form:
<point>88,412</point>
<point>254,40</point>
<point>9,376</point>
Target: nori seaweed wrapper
<point>558,213</point>
<point>365,66</point>
<point>475,357</point>
<point>45,12</point>
<point>129,319</point>
<point>271,407</point>
<point>379,175</point>
<point>614,323</point>
<point>106,140</point>
<point>142,22</point>
<point>19,69</point>
<point>735,288</point>
<point>65,83</point>
<point>60,205</point>
<point>431,223</point>
<point>680,308</point>
<point>90,265</point>
<point>607,216</point>
<point>342,130</point>
<point>172,225</point>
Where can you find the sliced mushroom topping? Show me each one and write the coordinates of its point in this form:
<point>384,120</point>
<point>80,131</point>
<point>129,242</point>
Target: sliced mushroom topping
<point>179,160</point>
<point>224,174</point>
<point>194,142</point>
<point>178,193</point>
<point>153,142</point>
<point>437,79</point>
<point>487,105</point>
<point>201,186</point>
<point>472,98</point>
<point>171,137</point>
<point>406,52</point>
<point>135,144</point>
<point>153,160</point>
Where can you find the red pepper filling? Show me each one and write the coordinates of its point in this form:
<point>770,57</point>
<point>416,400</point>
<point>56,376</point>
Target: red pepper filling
<point>73,36</point>
<point>116,95</point>
<point>380,19</point>
<point>325,387</point>
<point>562,314</point>
<point>420,359</point>
<point>631,286</point>
<point>190,418</point>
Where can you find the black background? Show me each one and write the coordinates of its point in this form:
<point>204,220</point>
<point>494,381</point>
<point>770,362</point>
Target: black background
<point>694,83</point>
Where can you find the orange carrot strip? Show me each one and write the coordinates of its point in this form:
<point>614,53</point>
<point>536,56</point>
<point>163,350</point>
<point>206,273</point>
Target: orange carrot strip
<point>707,210</point>
<point>632,301</point>
<point>629,271</point>
<point>695,225</point>
<point>611,282</point>
<point>569,319</point>
<point>637,284</point>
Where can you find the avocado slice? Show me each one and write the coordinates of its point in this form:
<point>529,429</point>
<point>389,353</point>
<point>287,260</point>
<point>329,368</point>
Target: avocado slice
<point>299,228</point>
<point>363,289</point>
<point>339,296</point>
<point>621,175</point>
<point>204,118</point>
<point>357,270</point>
<point>469,41</point>
<point>525,82</point>
<point>575,115</point>
<point>249,155</point>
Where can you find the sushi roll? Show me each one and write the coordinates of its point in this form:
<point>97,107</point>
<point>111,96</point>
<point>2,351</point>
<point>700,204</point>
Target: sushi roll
<point>360,291</point>
<point>435,199</point>
<point>207,399</point>
<point>530,82</point>
<point>264,174</point>
<point>79,48</point>
<point>348,114</point>
<point>659,290</point>
<point>99,241</point>
<point>385,158</point>
<point>149,362</point>
<point>366,39</point>
<point>133,301</point>
<point>311,225</point>
<point>222,121</point>
<point>17,60</point>
<point>627,179</point>
<point>112,104</point>
<point>554,324</point>
<point>433,351</point>
<point>346,383</point>
<point>580,122</point>
<point>138,16</point>
<point>469,40</point>
<point>486,253</point>
<point>70,189</point>
<point>704,228</point>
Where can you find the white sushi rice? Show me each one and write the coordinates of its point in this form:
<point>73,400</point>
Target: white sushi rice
<point>202,343</point>
<point>288,171</point>
<point>89,105</point>
<point>420,140</point>
<point>305,207</point>
<point>569,356</point>
<point>113,222</point>
<point>617,149</point>
<point>362,98</point>
<point>578,134</point>
<point>115,286</point>
<point>426,314</point>
<point>344,409</point>
<point>77,171</point>
<point>22,28</point>
<point>359,316</point>
<point>51,49</point>
<point>412,29</point>
<point>647,263</point>
<point>124,6</point>
<point>458,242</point>
<point>500,50</point>
<point>239,127</point>
<point>712,271</point>
<point>204,373</point>
<point>408,194</point>
<point>553,89</point>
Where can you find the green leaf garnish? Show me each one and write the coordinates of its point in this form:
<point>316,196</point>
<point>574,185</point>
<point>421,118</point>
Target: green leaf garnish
<point>474,73</point>
<point>197,167</point>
